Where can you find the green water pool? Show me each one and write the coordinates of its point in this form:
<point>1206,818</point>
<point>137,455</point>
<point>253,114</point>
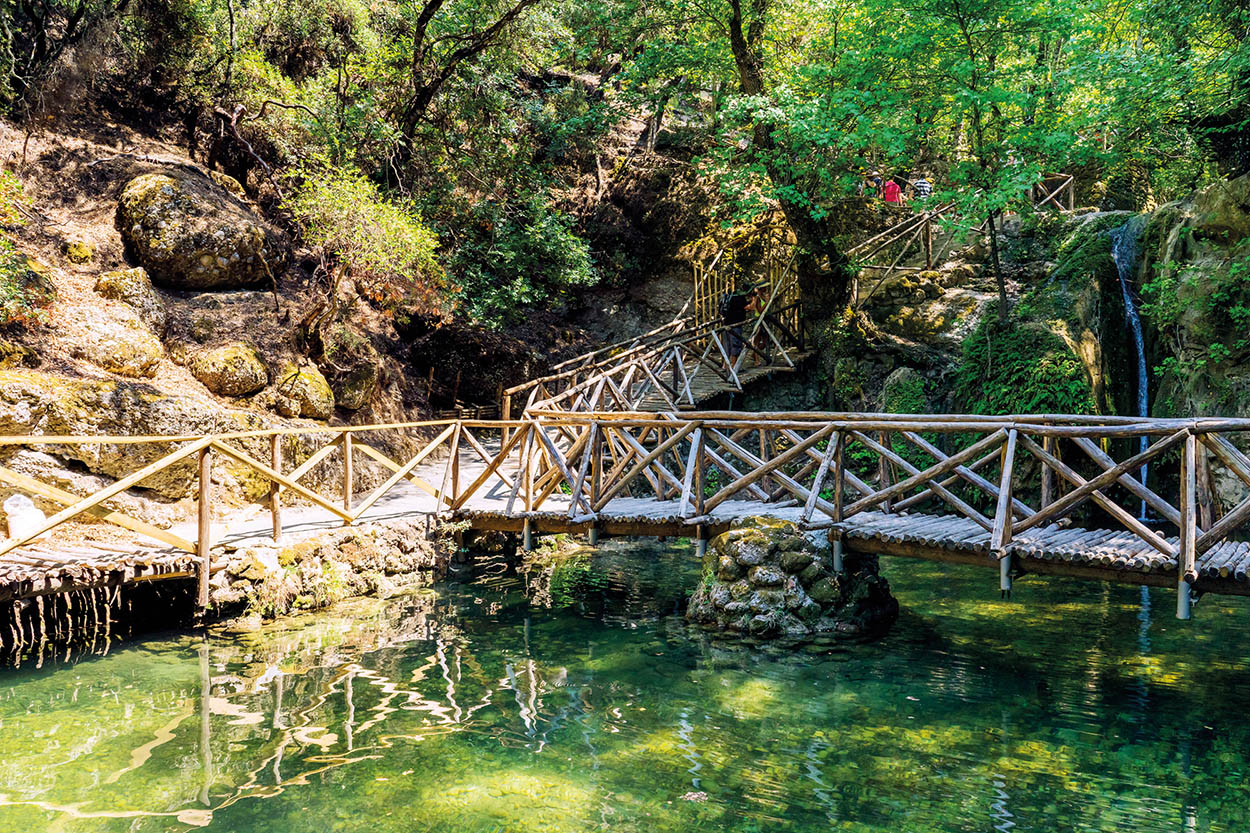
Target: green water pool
<point>578,700</point>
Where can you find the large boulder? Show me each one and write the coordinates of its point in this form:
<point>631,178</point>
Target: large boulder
<point>190,233</point>
<point>134,287</point>
<point>233,369</point>
<point>767,578</point>
<point>306,391</point>
<point>114,338</point>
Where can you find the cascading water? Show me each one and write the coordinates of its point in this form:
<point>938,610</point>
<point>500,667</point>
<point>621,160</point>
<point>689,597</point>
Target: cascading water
<point>1124,253</point>
<point>1124,243</point>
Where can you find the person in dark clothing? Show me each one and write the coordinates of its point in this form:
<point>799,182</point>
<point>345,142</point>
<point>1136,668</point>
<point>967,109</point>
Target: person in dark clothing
<point>733,313</point>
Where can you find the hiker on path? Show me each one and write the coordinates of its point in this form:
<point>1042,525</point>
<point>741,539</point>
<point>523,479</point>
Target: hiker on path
<point>922,186</point>
<point>891,192</point>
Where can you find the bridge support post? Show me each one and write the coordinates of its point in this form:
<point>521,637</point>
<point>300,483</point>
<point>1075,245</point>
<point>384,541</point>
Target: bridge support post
<point>1004,575</point>
<point>837,554</point>
<point>1186,547</point>
<point>700,541</point>
<point>527,535</point>
<point>592,535</point>
<point>204,538</point>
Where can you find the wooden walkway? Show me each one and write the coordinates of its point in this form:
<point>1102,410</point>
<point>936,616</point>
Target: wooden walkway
<point>677,367</point>
<point>1038,495</point>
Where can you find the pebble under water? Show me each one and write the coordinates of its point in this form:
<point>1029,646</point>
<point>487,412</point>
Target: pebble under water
<point>577,699</point>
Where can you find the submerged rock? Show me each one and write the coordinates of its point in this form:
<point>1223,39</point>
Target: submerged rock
<point>191,233</point>
<point>790,588</point>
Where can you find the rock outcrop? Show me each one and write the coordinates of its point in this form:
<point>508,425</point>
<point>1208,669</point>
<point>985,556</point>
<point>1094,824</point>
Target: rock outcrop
<point>134,287</point>
<point>233,369</point>
<point>114,338</point>
<point>376,558</point>
<point>766,578</point>
<point>190,233</point>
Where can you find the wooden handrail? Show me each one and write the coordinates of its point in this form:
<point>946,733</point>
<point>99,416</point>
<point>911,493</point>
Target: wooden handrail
<point>581,462</point>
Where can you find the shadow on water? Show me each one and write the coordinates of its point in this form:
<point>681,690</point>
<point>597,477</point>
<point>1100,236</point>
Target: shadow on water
<point>573,696</point>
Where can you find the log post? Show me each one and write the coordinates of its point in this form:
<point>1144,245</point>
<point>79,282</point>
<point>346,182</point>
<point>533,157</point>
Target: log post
<point>928,242</point>
<point>348,474</point>
<point>505,414</point>
<point>839,483</point>
<point>1048,474</point>
<point>884,470</point>
<point>596,466</point>
<point>700,541</point>
<point>275,488</point>
<point>1185,548</point>
<point>455,462</point>
<point>1206,503</point>
<point>1000,538</point>
<point>204,539</point>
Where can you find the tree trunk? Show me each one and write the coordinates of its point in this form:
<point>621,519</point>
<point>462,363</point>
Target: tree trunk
<point>1004,309</point>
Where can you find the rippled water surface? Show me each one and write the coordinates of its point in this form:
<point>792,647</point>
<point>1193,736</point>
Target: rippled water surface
<point>578,701</point>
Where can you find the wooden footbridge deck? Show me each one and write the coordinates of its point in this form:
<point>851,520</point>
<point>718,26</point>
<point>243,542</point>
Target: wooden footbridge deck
<point>1019,494</point>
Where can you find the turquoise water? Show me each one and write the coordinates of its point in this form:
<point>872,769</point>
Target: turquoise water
<point>578,701</point>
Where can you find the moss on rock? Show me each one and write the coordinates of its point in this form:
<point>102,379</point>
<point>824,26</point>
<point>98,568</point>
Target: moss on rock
<point>233,369</point>
<point>78,251</point>
<point>190,233</point>
<point>766,578</point>
<point>306,387</point>
<point>134,287</point>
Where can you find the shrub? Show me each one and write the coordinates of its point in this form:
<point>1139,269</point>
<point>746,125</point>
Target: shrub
<point>10,200</point>
<point>24,289</point>
<point>383,247</point>
<point>1021,368</point>
<point>514,256</point>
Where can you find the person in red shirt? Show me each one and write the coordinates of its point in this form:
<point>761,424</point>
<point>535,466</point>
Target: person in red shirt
<point>891,192</point>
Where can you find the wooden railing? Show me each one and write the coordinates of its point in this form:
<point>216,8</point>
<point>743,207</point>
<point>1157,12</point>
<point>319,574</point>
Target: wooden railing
<point>1006,475</point>
<point>664,372</point>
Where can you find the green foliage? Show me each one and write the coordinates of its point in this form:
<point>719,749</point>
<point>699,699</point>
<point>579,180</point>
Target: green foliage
<point>11,200</point>
<point>382,246</point>
<point>1022,367</point>
<point>24,289</point>
<point>511,257</point>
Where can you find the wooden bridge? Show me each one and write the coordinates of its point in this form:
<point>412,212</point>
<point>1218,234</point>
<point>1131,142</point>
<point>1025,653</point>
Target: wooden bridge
<point>1043,495</point>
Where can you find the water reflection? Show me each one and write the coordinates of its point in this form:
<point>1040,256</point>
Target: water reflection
<point>571,699</point>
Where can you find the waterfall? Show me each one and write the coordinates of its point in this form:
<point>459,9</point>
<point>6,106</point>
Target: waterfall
<point>1124,253</point>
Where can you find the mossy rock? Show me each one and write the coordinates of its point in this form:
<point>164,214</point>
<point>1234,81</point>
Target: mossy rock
<point>306,387</point>
<point>134,287</point>
<point>233,369</point>
<point>78,251</point>
<point>115,339</point>
<point>190,233</point>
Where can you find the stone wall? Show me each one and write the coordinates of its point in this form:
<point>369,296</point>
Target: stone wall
<point>766,578</point>
<point>270,579</point>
